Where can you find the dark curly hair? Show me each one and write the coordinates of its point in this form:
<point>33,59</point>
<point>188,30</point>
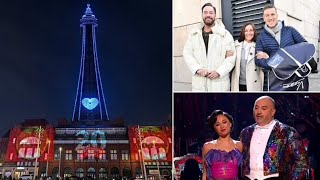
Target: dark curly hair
<point>212,119</point>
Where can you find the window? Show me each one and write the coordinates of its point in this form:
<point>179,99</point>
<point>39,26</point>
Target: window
<point>102,154</point>
<point>146,154</point>
<point>22,152</point>
<point>162,154</point>
<point>103,173</point>
<point>154,153</point>
<point>79,154</point>
<point>67,173</point>
<point>57,155</point>
<point>90,154</point>
<point>125,155</point>
<point>68,154</point>
<point>91,173</point>
<point>36,152</point>
<point>43,172</point>
<point>80,172</point>
<point>29,153</point>
<point>113,154</point>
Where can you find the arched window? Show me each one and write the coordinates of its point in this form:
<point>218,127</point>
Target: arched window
<point>91,172</point>
<point>138,172</point>
<point>80,172</point>
<point>103,173</point>
<point>115,173</point>
<point>7,173</point>
<point>165,173</point>
<point>43,172</point>
<point>126,173</point>
<point>67,172</point>
<point>55,172</point>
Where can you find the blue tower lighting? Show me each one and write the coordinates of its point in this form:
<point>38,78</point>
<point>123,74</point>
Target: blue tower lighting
<point>90,102</point>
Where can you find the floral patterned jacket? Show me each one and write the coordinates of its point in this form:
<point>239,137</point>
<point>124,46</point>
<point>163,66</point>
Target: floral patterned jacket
<point>284,153</point>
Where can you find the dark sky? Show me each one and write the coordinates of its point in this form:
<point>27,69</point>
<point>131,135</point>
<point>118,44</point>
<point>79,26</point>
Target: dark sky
<point>40,50</point>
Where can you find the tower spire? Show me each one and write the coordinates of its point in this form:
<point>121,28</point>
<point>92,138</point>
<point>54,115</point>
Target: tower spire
<point>90,102</point>
<point>88,10</point>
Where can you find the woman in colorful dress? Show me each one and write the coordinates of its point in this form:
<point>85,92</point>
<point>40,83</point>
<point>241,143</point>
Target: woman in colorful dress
<point>222,156</point>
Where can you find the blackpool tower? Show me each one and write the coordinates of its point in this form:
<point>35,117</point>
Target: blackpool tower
<point>90,101</point>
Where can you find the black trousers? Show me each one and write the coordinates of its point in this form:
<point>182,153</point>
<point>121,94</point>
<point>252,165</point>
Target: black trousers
<point>242,87</point>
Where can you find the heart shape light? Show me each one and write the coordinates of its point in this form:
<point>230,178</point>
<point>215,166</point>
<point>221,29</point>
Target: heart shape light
<point>90,103</point>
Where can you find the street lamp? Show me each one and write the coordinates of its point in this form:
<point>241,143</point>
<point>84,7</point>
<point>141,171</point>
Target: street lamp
<point>142,156</point>
<point>154,145</point>
<point>139,151</point>
<point>48,158</point>
<point>39,132</point>
<point>60,149</point>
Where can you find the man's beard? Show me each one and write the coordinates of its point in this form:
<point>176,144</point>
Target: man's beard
<point>208,23</point>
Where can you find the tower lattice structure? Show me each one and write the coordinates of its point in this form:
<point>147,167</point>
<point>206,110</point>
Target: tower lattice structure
<point>90,101</point>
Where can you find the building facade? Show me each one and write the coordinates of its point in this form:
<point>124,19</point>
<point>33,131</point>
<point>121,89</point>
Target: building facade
<point>99,150</point>
<point>26,147</point>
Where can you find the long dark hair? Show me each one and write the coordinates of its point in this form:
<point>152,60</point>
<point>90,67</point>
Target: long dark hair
<point>242,35</point>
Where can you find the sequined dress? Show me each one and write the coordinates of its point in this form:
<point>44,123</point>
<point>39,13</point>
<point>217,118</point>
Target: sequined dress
<point>223,165</point>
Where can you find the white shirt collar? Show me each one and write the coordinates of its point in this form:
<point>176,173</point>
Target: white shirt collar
<point>267,126</point>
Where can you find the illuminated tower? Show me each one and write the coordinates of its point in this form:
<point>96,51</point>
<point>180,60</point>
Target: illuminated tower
<point>90,103</point>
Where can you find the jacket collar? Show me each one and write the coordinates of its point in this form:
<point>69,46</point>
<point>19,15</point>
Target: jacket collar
<point>268,126</point>
<point>237,43</point>
<point>277,123</point>
<point>282,22</point>
<point>218,28</point>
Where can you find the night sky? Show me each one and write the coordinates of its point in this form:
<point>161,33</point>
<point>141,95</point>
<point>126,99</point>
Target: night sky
<point>40,51</point>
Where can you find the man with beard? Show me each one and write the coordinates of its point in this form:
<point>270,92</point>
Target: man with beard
<point>271,149</point>
<point>209,53</point>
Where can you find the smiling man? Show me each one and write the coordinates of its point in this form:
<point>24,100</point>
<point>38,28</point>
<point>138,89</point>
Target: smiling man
<point>272,150</point>
<point>205,53</point>
<point>275,35</point>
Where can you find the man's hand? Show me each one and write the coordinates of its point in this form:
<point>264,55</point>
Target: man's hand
<point>228,54</point>
<point>213,75</point>
<point>262,55</point>
<point>202,72</point>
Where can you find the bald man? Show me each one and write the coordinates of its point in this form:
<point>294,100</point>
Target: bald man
<point>271,149</point>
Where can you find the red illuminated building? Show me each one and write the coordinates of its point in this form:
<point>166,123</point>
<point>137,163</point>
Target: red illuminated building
<point>99,150</point>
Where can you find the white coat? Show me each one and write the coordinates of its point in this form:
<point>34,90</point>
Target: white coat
<point>254,74</point>
<point>194,54</point>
